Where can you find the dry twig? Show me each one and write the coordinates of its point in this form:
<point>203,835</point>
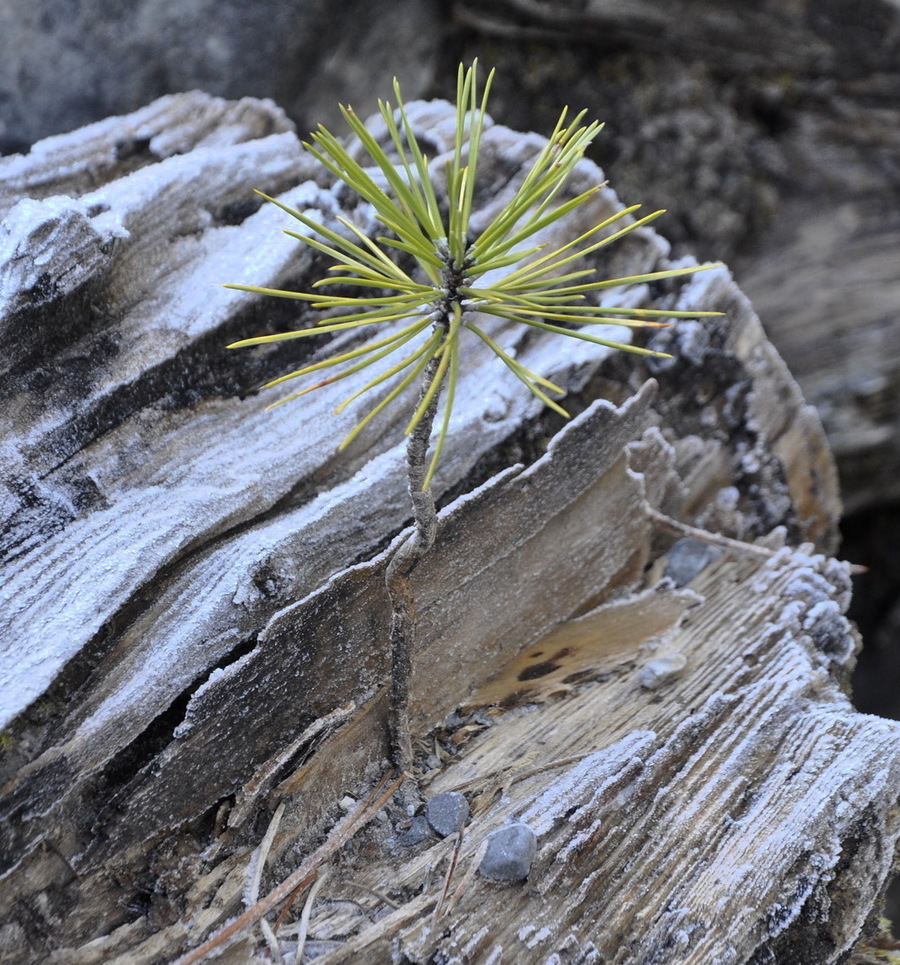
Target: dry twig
<point>451,867</point>
<point>340,835</point>
<point>717,539</point>
<point>306,913</point>
<point>254,878</point>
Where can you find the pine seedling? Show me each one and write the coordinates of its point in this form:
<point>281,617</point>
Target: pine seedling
<point>454,279</point>
<point>528,284</point>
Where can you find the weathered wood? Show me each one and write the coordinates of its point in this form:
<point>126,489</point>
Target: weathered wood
<point>194,619</point>
<point>769,131</point>
<point>830,299</point>
<point>711,822</point>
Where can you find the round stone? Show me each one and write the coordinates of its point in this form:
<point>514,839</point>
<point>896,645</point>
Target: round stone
<point>447,812</point>
<point>509,854</point>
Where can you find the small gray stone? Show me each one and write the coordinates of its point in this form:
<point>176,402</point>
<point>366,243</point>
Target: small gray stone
<point>510,852</point>
<point>417,832</point>
<point>662,670</point>
<point>447,812</point>
<point>687,558</point>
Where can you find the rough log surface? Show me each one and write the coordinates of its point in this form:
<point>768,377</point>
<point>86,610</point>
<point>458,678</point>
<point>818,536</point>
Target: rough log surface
<point>769,131</point>
<point>724,819</point>
<point>194,619</point>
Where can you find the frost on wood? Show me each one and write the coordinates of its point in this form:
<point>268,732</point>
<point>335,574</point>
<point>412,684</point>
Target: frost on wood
<point>193,622</point>
<point>730,821</point>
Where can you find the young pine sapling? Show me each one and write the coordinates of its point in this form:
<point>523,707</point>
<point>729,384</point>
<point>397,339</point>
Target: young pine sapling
<point>502,271</point>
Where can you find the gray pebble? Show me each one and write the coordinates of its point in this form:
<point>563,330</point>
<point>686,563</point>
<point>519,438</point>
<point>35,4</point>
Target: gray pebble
<point>687,558</point>
<point>417,832</point>
<point>662,670</point>
<point>510,852</point>
<point>447,812</point>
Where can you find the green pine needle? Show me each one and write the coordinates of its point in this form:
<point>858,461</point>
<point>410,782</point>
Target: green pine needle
<point>544,289</point>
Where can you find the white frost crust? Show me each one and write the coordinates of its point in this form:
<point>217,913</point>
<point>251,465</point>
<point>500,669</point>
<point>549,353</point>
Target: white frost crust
<point>160,501</point>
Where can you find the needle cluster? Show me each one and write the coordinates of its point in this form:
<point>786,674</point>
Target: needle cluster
<point>504,271</point>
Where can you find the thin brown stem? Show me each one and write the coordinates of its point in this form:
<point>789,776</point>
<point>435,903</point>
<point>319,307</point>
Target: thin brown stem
<point>716,539</point>
<point>397,578</point>
<point>725,542</point>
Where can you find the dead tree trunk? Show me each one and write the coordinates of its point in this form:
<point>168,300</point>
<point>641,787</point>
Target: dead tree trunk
<point>195,625</point>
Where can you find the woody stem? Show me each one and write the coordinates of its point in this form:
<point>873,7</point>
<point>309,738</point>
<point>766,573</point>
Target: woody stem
<point>399,571</point>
